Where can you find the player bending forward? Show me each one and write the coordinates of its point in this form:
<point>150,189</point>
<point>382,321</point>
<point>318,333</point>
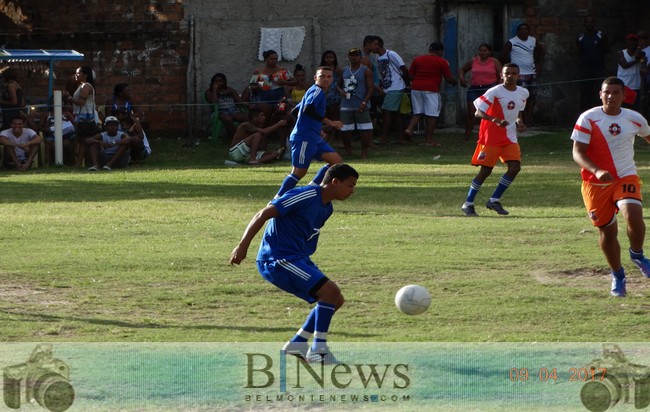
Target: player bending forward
<point>290,238</point>
<point>603,146</point>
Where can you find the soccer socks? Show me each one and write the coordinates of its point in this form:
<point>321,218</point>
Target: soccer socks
<point>619,274</point>
<point>324,313</point>
<point>473,191</point>
<point>307,329</point>
<point>636,255</point>
<point>289,183</point>
<point>504,183</point>
<point>318,179</point>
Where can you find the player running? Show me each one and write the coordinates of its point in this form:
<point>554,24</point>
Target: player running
<point>500,112</point>
<point>306,139</point>
<point>603,146</point>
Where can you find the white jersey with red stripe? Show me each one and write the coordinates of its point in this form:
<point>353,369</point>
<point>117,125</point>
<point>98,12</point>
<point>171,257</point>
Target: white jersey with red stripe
<point>504,104</point>
<point>610,140</point>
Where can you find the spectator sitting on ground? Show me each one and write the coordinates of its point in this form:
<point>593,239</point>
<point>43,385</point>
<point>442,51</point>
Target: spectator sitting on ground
<point>20,143</point>
<point>225,98</point>
<point>110,149</point>
<point>46,126</point>
<point>249,142</point>
<point>131,125</point>
<point>295,93</point>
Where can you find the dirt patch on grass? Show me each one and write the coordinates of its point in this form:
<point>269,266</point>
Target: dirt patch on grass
<point>26,294</point>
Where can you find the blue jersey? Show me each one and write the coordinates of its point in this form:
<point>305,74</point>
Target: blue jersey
<point>308,128</point>
<point>294,234</point>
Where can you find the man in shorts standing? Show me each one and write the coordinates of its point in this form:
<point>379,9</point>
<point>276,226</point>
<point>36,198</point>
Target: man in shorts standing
<point>356,82</point>
<point>500,112</point>
<point>427,72</point>
<point>295,220</point>
<point>395,79</point>
<point>603,146</point>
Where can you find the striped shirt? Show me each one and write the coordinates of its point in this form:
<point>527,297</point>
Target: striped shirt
<point>294,234</point>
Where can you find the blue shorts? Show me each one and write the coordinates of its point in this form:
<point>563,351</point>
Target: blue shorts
<point>304,151</point>
<point>299,277</point>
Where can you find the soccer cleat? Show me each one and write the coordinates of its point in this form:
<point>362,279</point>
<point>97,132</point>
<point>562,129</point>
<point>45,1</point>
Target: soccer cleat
<point>92,169</point>
<point>643,264</point>
<point>618,287</point>
<point>496,206</point>
<point>107,168</point>
<point>297,349</point>
<point>469,210</point>
<point>322,356</point>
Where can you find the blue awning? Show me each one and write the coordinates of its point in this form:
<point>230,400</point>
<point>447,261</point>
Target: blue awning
<point>18,55</point>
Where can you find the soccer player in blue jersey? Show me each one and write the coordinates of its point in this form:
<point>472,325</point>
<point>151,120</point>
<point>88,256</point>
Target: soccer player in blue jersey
<point>306,139</point>
<point>290,238</point>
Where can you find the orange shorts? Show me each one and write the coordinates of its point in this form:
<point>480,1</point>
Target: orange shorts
<point>487,155</point>
<point>600,199</point>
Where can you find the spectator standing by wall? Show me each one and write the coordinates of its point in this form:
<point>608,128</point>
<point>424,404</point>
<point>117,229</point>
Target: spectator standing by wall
<point>427,72</point>
<point>592,47</point>
<point>485,71</point>
<point>395,79</point>
<point>526,52</point>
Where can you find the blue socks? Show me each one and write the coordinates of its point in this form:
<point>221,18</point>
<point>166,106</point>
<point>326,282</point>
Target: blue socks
<point>324,313</point>
<point>473,191</point>
<point>307,329</point>
<point>289,183</point>
<point>636,255</point>
<point>619,274</point>
<point>504,183</point>
<point>318,179</point>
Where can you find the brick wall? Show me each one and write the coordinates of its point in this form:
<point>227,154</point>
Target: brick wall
<point>143,43</point>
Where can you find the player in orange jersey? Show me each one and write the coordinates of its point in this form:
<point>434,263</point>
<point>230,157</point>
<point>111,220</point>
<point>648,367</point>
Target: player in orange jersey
<point>500,112</point>
<point>603,146</point>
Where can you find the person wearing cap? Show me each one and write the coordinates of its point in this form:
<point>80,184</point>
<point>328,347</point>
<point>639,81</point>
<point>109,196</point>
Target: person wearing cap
<point>629,66</point>
<point>426,73</point>
<point>356,83</point>
<point>110,149</point>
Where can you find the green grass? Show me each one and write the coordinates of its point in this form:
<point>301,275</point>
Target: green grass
<point>142,254</point>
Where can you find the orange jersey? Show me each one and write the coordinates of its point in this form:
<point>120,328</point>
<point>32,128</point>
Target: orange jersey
<point>504,104</point>
<point>610,140</point>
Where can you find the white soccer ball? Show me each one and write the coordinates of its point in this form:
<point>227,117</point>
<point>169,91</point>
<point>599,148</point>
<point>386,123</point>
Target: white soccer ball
<point>413,299</point>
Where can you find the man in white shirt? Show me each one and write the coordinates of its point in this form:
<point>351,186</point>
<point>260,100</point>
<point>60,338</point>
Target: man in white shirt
<point>21,145</point>
<point>528,53</point>
<point>394,80</point>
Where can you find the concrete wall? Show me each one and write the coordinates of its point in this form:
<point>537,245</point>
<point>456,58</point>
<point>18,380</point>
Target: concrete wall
<point>168,49</point>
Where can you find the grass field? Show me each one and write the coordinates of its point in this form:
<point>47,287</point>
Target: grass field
<point>142,254</point>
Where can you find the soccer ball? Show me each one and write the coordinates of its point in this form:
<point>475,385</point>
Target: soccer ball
<point>412,299</point>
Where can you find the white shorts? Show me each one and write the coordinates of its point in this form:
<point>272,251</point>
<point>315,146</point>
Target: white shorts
<point>424,102</point>
<point>241,152</point>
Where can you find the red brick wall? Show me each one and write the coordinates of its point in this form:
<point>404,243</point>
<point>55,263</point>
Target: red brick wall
<point>144,43</point>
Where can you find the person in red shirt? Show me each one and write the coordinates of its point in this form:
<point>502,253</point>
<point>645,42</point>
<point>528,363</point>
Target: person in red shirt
<point>426,73</point>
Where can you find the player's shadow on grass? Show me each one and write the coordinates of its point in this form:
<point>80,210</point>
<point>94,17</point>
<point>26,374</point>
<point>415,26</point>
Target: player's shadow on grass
<point>35,317</point>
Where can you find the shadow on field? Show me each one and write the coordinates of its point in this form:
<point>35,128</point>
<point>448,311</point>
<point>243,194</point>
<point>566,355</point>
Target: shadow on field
<point>527,192</point>
<point>36,317</point>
